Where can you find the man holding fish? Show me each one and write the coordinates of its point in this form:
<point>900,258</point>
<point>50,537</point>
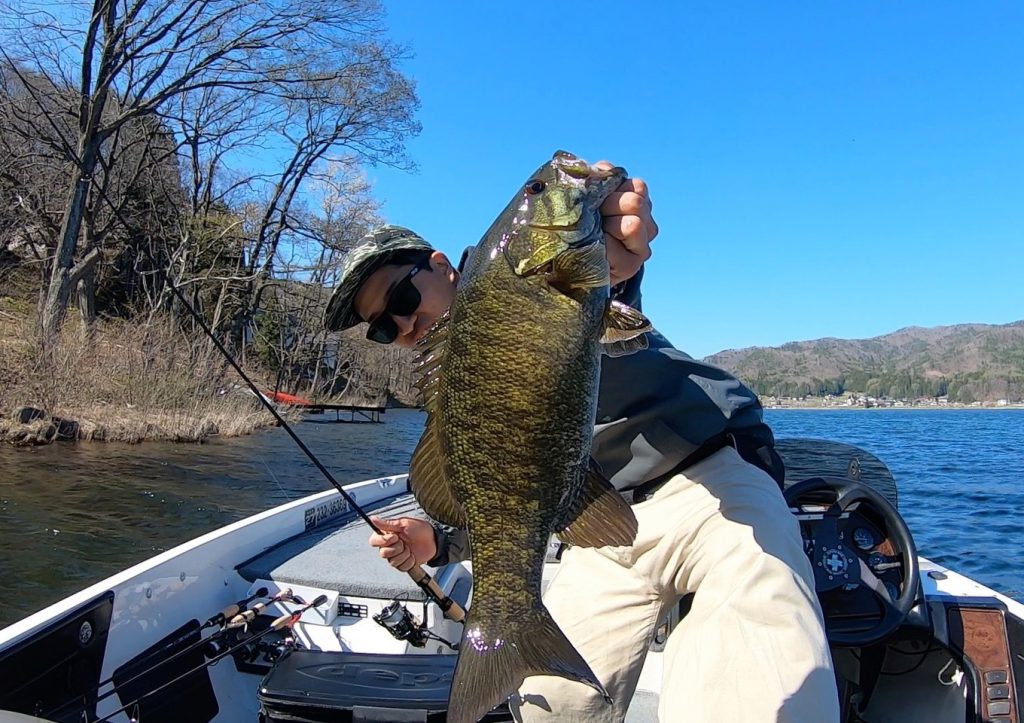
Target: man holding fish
<point>683,442</point>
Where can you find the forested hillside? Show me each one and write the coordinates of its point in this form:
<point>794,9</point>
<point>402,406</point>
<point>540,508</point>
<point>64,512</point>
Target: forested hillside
<point>966,363</point>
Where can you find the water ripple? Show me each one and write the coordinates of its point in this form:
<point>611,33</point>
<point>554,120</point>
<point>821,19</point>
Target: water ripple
<point>959,473</point>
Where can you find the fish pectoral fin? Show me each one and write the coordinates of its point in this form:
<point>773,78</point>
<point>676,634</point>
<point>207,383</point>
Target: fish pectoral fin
<point>599,516</point>
<point>585,267</point>
<point>623,330</point>
<point>430,482</point>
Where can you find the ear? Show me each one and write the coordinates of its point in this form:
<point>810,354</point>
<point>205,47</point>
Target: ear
<point>440,262</point>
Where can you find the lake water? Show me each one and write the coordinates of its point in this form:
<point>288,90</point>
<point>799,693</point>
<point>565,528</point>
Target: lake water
<point>73,514</point>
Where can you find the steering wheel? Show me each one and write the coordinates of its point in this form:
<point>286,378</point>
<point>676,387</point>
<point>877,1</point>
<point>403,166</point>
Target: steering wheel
<point>836,565</point>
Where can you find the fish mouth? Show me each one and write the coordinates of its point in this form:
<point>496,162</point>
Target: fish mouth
<point>574,226</point>
<point>592,186</point>
<point>576,167</point>
<point>598,184</point>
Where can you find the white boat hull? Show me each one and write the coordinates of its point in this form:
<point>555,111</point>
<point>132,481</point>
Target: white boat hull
<point>191,582</point>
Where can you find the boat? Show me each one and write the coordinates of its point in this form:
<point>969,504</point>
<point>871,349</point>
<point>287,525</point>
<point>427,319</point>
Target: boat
<point>289,615</point>
<point>285,398</point>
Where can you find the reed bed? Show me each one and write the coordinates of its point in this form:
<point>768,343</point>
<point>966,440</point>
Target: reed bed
<point>125,381</point>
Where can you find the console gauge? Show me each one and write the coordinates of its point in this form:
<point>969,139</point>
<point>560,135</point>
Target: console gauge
<point>863,538</point>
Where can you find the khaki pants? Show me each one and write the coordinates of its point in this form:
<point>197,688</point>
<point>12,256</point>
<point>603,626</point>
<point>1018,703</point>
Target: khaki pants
<point>752,647</point>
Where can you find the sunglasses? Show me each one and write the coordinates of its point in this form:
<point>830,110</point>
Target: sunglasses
<point>403,300</point>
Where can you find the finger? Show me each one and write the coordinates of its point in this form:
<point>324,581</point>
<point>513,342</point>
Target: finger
<point>628,206</point>
<point>635,185</point>
<point>622,264</point>
<point>382,540</point>
<point>631,199</point>
<point>386,525</point>
<point>402,561</point>
<point>625,204</point>
<point>630,232</point>
<point>392,551</point>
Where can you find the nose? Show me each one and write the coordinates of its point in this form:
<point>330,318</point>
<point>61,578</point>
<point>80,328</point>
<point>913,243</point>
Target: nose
<point>406,324</point>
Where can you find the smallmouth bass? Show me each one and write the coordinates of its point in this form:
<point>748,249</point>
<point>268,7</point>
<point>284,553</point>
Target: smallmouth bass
<point>510,377</point>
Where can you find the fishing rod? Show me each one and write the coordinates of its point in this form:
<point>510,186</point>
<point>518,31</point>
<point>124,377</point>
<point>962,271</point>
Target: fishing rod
<point>451,609</point>
<point>223,618</point>
<point>286,620</point>
<point>232,610</point>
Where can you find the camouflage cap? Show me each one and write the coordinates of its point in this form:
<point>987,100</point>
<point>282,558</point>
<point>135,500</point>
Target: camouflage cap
<point>374,250</point>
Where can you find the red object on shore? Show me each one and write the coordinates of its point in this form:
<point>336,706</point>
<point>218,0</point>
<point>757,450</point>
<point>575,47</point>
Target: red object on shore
<point>288,398</point>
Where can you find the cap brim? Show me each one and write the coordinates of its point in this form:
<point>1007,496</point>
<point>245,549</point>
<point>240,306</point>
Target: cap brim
<point>341,313</point>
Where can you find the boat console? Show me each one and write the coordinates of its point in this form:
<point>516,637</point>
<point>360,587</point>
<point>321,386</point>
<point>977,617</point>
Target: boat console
<point>909,640</point>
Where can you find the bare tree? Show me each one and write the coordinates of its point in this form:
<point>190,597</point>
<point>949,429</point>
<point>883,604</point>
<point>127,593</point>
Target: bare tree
<point>127,59</point>
<point>136,160</point>
<point>338,211</point>
<point>30,210</point>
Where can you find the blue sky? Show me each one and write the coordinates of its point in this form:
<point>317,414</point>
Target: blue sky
<point>817,168</point>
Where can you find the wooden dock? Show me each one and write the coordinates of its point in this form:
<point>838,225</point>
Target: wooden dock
<point>356,414</point>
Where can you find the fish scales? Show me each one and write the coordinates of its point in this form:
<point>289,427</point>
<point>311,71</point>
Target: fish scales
<point>508,396</point>
<point>510,380</point>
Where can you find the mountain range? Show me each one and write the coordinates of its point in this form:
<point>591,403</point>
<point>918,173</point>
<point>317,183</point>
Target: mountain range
<point>965,362</point>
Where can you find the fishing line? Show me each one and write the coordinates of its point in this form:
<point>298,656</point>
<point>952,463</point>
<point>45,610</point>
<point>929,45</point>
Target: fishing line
<point>274,477</point>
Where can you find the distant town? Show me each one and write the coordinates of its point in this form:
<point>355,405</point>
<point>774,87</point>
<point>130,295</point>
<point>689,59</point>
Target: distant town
<point>863,401</point>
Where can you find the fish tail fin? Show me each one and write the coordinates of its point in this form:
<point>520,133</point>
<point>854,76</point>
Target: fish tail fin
<point>492,666</point>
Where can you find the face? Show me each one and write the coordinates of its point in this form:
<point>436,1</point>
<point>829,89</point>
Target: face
<point>435,284</point>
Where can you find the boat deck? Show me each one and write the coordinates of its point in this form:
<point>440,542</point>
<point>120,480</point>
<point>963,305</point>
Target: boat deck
<point>337,557</point>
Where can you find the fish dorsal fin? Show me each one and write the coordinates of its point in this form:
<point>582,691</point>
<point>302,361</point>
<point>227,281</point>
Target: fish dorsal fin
<point>599,516</point>
<point>623,329</point>
<point>427,364</point>
<point>429,476</point>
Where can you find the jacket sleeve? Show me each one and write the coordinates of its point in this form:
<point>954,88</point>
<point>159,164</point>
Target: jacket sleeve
<point>452,545</point>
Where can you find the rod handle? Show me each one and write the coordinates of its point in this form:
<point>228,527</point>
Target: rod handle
<point>451,609</point>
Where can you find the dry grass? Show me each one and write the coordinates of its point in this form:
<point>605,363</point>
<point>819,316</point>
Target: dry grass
<point>39,431</point>
<point>128,382</point>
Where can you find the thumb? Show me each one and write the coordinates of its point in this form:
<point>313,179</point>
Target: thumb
<point>388,525</point>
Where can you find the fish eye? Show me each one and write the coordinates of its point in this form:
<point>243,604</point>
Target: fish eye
<point>534,187</point>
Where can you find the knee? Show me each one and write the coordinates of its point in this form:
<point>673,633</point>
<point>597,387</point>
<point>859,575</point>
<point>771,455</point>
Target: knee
<point>759,565</point>
<point>550,699</point>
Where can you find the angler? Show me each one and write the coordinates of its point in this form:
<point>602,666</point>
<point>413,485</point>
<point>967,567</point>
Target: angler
<point>686,443</point>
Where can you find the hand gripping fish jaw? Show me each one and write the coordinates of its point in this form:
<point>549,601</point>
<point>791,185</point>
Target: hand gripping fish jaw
<point>557,211</point>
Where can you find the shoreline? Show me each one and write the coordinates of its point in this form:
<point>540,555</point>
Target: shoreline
<point>31,426</point>
<point>920,408</point>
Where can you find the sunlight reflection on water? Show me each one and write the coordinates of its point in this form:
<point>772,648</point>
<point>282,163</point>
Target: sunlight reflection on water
<point>73,514</point>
